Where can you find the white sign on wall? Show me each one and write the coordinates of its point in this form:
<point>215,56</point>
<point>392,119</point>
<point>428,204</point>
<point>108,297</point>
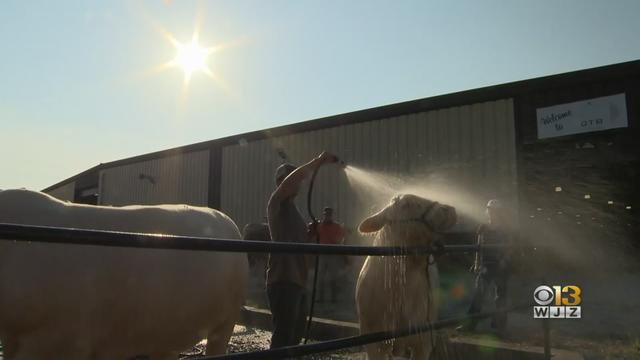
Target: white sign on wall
<point>603,113</point>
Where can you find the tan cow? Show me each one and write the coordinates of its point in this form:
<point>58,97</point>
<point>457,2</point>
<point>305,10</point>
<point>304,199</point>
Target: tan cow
<point>93,302</point>
<point>397,292</point>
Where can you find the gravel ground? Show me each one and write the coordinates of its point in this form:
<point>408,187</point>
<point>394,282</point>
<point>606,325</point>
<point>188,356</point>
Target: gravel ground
<point>243,339</point>
<point>251,339</point>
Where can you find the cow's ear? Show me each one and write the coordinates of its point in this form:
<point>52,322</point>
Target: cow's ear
<point>373,223</point>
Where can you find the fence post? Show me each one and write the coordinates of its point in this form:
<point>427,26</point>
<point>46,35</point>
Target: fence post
<point>547,338</point>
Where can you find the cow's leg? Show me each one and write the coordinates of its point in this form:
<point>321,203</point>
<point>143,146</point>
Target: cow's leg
<point>379,351</point>
<point>218,338</point>
<point>9,348</point>
<point>400,347</point>
<point>163,356</point>
<point>49,342</point>
<point>422,346</point>
<point>30,353</point>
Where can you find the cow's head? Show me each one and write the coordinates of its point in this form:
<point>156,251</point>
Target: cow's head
<point>411,215</point>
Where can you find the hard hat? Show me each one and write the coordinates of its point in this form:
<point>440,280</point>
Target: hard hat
<point>494,204</point>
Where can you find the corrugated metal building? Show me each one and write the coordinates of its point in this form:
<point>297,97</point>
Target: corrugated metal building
<point>64,192</point>
<point>166,180</point>
<point>495,141</point>
<point>478,138</point>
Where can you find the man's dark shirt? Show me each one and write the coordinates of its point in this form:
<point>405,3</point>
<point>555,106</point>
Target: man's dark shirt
<point>488,235</point>
<point>287,225</point>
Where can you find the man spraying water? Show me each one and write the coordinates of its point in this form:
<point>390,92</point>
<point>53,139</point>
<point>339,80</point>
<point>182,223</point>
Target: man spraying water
<point>492,265</point>
<point>287,273</point>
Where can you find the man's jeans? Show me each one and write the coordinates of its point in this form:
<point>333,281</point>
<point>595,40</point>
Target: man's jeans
<point>288,303</point>
<point>483,281</point>
<point>330,277</point>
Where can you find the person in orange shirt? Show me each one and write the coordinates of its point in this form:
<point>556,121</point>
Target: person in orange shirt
<point>331,233</point>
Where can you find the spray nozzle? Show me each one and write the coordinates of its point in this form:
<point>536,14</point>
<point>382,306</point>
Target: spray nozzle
<point>329,158</point>
<point>339,162</point>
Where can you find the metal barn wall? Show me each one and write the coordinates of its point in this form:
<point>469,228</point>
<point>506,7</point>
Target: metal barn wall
<point>65,192</point>
<point>178,179</point>
<point>469,151</point>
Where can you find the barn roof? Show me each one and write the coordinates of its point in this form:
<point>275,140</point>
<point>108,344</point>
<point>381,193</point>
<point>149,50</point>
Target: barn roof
<point>488,93</point>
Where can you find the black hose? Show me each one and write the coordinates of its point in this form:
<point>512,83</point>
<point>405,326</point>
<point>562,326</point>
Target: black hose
<point>314,232</point>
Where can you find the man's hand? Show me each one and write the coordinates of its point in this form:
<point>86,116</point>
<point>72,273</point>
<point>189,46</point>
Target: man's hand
<point>312,231</point>
<point>327,158</point>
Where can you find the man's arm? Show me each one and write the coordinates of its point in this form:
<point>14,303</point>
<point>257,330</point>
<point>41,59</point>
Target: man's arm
<point>291,184</point>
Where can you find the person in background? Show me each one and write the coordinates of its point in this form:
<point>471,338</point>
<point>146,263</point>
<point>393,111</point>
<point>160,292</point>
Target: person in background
<point>256,232</point>
<point>331,266</point>
<point>257,263</point>
<point>287,273</point>
<point>492,265</point>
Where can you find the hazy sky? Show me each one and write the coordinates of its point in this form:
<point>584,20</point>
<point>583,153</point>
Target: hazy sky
<point>78,86</point>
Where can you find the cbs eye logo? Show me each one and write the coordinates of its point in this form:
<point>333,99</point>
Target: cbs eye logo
<point>557,302</point>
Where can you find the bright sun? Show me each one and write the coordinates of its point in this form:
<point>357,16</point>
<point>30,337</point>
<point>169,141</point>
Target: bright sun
<point>191,57</point>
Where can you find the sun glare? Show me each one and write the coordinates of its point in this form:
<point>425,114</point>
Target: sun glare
<point>191,57</point>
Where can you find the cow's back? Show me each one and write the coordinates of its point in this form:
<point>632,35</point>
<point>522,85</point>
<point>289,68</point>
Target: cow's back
<point>115,301</point>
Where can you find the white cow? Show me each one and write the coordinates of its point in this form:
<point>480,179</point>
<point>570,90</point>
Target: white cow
<point>397,292</point>
<point>93,302</point>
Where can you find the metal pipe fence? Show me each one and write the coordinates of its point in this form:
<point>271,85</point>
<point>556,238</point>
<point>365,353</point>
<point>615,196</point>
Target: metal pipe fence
<point>59,235</point>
